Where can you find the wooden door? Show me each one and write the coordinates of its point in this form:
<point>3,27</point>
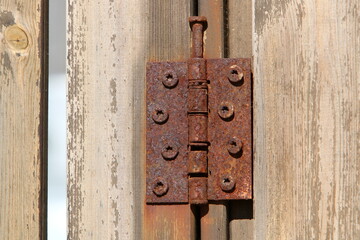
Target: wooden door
<point>306,123</point>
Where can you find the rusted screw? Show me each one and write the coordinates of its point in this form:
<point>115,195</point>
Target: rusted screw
<point>227,183</point>
<point>170,79</point>
<point>226,110</point>
<point>198,25</point>
<point>160,116</point>
<point>169,152</point>
<point>235,146</point>
<point>235,75</point>
<point>160,187</point>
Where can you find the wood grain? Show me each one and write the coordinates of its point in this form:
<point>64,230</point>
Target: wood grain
<point>23,119</point>
<point>105,55</point>
<point>109,44</point>
<point>307,102</point>
<point>240,33</point>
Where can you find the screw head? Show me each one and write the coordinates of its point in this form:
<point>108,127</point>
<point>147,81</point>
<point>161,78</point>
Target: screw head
<point>235,75</point>
<point>160,187</point>
<point>234,146</point>
<point>169,152</point>
<point>169,79</point>
<point>227,183</point>
<point>160,116</point>
<point>226,110</point>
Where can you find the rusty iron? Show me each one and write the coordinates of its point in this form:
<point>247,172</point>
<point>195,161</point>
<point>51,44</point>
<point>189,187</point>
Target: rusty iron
<point>227,183</point>
<point>173,132</point>
<point>160,186</point>
<point>198,127</point>
<point>160,115</point>
<point>198,161</point>
<point>235,75</point>
<point>198,190</point>
<point>197,114</point>
<point>169,79</point>
<point>230,151</point>
<point>234,146</point>
<point>226,110</point>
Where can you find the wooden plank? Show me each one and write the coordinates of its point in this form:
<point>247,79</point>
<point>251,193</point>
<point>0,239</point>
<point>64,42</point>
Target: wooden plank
<point>105,55</point>
<point>214,221</point>
<point>307,123</point>
<point>239,31</point>
<point>23,119</point>
<point>108,47</point>
<point>214,35</point>
<point>168,40</point>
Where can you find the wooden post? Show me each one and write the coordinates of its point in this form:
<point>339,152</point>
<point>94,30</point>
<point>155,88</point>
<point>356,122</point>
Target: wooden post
<point>23,119</point>
<point>307,123</point>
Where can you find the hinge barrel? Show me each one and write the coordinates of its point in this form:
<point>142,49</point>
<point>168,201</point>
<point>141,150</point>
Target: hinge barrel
<point>197,115</point>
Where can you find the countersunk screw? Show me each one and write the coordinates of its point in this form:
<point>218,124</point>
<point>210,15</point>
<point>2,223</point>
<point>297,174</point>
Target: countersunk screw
<point>226,110</point>
<point>169,152</point>
<point>170,79</point>
<point>160,116</point>
<point>160,187</point>
<point>235,146</point>
<point>235,75</point>
<point>227,183</point>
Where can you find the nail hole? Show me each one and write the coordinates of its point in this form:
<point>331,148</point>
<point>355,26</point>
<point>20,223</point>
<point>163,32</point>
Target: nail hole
<point>168,148</point>
<point>159,184</point>
<point>159,112</point>
<point>233,143</point>
<point>226,180</point>
<point>234,72</point>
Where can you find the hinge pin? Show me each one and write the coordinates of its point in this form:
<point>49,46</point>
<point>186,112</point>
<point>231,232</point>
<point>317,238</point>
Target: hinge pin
<point>197,115</point>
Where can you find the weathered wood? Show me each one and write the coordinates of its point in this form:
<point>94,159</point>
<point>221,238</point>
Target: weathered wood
<point>239,32</point>
<point>168,40</point>
<point>307,123</point>
<point>23,119</point>
<point>108,47</point>
<point>105,56</point>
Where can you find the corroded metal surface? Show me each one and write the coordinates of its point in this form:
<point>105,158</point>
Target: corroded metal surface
<point>167,133</point>
<point>230,129</point>
<point>199,128</point>
<point>198,190</point>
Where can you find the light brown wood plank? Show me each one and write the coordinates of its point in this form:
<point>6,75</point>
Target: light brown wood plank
<point>23,119</point>
<point>307,123</point>
<point>168,40</point>
<point>214,221</point>
<point>240,46</point>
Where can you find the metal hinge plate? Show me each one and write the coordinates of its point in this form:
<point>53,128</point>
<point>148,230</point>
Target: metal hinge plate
<point>198,138</point>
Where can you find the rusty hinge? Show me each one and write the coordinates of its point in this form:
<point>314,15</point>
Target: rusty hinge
<point>199,127</point>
